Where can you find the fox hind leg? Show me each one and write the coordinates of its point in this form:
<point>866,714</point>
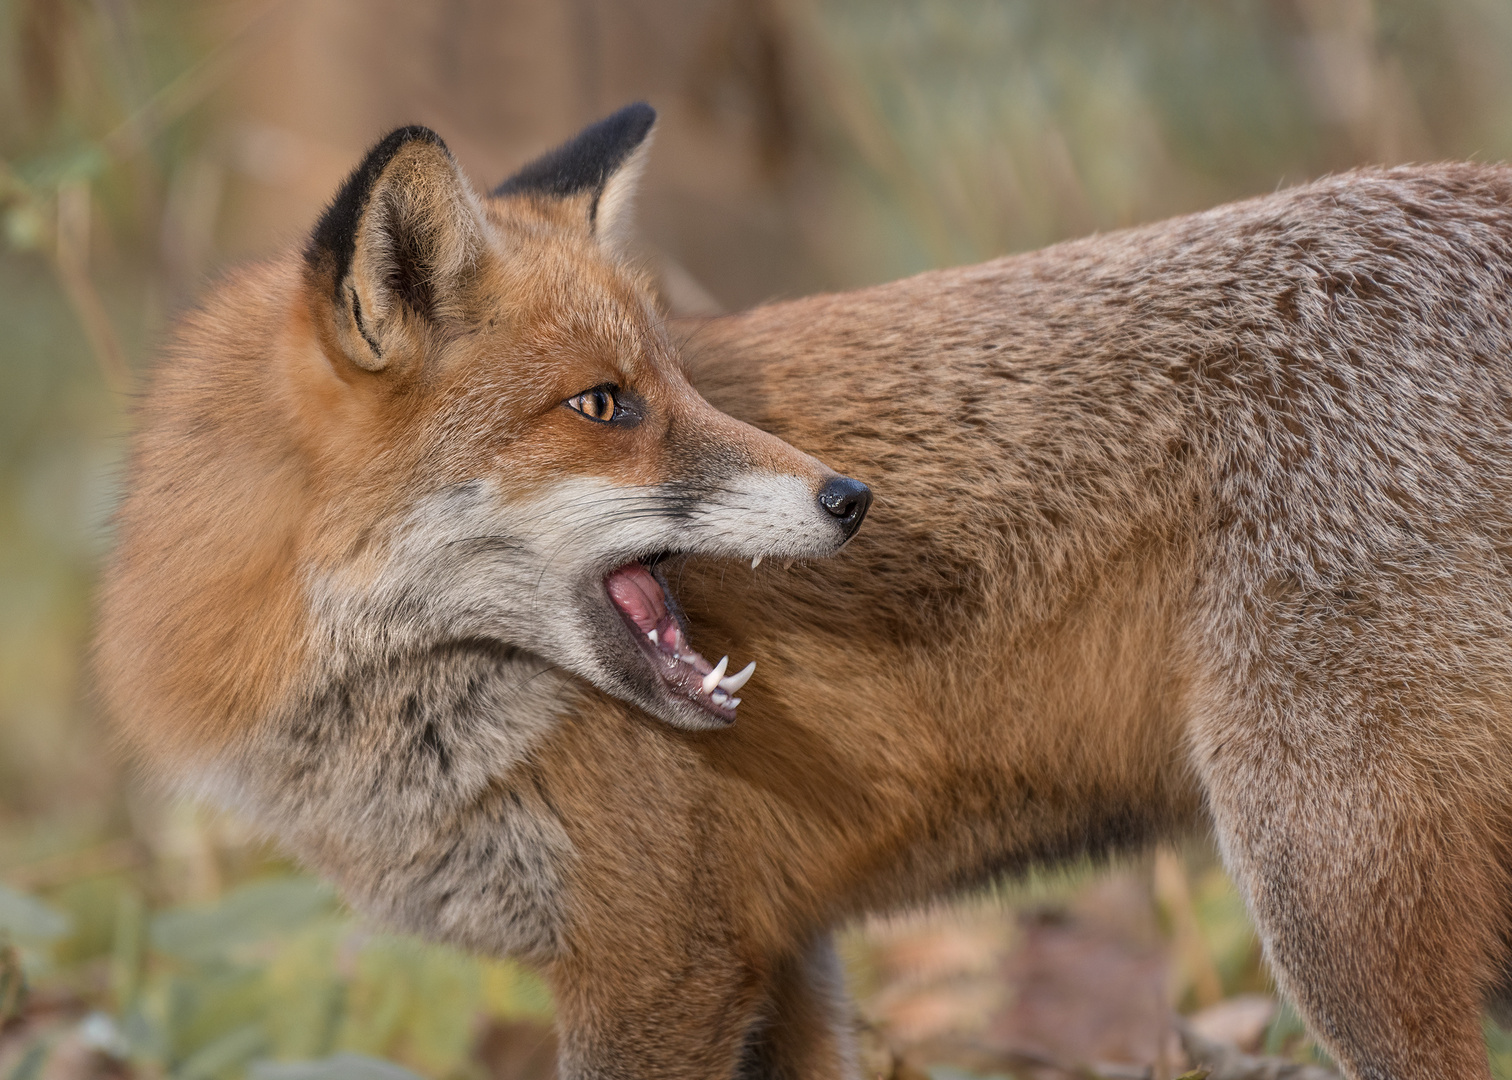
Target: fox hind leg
<point>1378,893</point>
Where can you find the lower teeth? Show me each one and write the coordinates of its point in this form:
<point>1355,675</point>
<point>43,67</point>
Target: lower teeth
<point>709,681</point>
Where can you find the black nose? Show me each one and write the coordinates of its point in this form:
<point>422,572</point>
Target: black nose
<point>847,501</point>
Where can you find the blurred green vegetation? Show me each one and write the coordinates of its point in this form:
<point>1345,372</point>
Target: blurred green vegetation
<point>271,970</point>
<point>963,129</point>
<point>165,942</point>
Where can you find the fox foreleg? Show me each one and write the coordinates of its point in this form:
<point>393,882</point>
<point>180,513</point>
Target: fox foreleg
<point>806,1031</point>
<point>628,1014</point>
<point>670,1006</point>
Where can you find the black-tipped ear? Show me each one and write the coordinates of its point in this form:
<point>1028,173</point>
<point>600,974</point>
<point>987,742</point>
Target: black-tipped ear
<point>602,162</point>
<point>334,240</point>
<point>395,245</point>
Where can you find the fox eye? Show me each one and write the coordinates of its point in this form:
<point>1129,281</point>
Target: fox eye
<point>597,404</point>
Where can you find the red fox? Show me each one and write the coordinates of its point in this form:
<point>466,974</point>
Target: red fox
<point>1205,524</point>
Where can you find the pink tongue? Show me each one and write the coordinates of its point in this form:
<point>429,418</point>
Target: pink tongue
<point>639,595</point>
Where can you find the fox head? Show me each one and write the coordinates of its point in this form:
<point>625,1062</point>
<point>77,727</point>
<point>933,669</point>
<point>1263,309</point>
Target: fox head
<point>452,417</point>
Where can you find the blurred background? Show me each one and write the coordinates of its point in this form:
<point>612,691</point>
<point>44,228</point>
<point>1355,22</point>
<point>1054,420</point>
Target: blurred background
<point>803,145</point>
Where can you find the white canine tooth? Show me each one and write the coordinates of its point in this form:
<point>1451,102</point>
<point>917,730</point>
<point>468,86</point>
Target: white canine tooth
<point>719,697</point>
<point>652,635</point>
<point>711,680</point>
<point>737,680</point>
<point>755,562</point>
<point>734,701</point>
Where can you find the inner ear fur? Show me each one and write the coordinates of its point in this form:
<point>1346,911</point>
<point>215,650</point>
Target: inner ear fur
<point>598,170</point>
<point>396,248</point>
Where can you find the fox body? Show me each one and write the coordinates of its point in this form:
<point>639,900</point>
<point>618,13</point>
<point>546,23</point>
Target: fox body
<point>1205,524</point>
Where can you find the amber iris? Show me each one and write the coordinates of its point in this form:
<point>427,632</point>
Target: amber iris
<point>596,404</point>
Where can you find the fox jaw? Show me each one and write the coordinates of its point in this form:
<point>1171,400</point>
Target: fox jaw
<point>556,457</point>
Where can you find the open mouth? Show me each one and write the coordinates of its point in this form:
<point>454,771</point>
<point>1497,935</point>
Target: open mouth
<point>639,593</point>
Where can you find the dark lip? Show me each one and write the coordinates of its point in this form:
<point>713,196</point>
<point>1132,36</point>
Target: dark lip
<point>655,658</point>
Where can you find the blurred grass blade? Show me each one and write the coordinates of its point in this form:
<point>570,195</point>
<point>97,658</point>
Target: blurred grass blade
<point>30,1066</point>
<point>253,912</point>
<point>190,87</point>
<point>335,1067</point>
<point>950,1072</point>
<point>227,1052</point>
<point>12,982</point>
<point>28,919</point>
<point>126,952</point>
<point>513,992</point>
<point>413,1001</point>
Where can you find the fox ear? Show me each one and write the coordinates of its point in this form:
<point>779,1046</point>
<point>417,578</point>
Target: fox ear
<point>396,246</point>
<point>599,168</point>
